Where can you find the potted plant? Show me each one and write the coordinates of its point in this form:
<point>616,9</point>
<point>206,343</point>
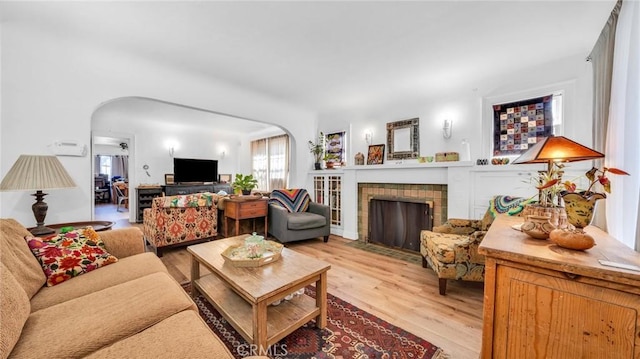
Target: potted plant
<point>317,149</point>
<point>580,204</point>
<point>244,184</point>
<point>329,159</point>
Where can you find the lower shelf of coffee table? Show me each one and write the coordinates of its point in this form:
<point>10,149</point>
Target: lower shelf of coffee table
<point>282,319</point>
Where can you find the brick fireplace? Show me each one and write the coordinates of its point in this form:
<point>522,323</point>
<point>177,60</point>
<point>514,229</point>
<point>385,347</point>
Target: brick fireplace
<point>437,193</point>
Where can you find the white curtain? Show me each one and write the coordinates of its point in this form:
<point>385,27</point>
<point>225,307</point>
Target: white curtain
<point>278,163</point>
<point>270,162</point>
<point>623,204</point>
<point>259,162</point>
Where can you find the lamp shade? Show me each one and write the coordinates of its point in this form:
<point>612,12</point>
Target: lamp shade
<point>34,173</point>
<point>557,148</point>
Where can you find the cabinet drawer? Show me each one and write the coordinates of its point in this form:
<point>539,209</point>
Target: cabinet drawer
<point>253,212</point>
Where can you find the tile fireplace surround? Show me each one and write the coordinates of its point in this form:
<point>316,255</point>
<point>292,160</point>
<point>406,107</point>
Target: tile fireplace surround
<point>447,184</point>
<point>423,192</point>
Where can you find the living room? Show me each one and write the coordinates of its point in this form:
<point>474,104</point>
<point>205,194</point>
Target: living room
<point>64,65</point>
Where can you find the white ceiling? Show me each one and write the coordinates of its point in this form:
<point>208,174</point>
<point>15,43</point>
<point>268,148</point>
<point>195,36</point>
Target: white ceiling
<point>335,56</point>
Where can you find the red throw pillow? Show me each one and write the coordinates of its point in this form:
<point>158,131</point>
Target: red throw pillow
<point>64,256</point>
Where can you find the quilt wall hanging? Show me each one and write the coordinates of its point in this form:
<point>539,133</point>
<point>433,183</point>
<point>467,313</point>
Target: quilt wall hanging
<point>519,125</point>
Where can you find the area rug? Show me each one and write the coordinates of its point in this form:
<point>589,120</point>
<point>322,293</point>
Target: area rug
<point>350,333</point>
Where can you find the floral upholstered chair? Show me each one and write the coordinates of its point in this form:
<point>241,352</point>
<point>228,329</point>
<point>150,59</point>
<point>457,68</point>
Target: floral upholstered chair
<point>451,249</point>
<point>180,220</point>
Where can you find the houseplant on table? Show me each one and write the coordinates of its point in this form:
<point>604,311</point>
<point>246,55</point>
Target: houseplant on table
<point>580,204</point>
<point>244,183</point>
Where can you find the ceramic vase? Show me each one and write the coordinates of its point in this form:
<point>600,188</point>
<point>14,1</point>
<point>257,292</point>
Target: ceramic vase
<point>538,227</point>
<point>580,207</point>
<point>558,215</point>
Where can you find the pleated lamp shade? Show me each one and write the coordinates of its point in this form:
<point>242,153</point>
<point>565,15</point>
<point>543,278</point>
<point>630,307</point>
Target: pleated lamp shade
<point>33,173</point>
<point>37,173</point>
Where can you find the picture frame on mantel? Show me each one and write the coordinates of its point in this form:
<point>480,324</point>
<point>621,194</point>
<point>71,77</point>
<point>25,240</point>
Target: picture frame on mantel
<point>224,178</point>
<point>169,178</point>
<point>375,155</point>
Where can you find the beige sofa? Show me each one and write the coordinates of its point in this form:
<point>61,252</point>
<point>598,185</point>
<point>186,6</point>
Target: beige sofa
<point>129,309</point>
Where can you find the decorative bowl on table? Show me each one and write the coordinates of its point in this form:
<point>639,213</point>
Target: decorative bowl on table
<point>254,252</point>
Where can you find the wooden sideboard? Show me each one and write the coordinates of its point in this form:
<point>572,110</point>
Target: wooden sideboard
<point>544,301</point>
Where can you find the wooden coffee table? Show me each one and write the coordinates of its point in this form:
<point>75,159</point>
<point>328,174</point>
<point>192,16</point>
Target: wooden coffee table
<point>244,295</point>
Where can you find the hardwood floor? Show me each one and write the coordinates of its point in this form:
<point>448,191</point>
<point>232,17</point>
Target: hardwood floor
<point>402,293</point>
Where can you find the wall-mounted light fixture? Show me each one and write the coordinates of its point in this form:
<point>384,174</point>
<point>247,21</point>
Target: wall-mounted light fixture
<point>172,146</point>
<point>368,136</point>
<point>447,128</point>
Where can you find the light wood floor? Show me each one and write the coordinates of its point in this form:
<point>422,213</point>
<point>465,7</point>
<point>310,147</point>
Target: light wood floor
<point>402,293</point>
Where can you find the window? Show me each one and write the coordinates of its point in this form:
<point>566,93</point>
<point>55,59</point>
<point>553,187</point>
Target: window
<point>510,130</point>
<point>270,162</point>
<point>557,108</point>
<point>105,165</point>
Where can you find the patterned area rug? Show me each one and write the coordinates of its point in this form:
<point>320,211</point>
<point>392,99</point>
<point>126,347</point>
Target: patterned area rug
<point>350,333</point>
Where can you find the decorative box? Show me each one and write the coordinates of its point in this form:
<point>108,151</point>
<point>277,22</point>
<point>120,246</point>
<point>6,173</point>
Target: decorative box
<point>447,156</point>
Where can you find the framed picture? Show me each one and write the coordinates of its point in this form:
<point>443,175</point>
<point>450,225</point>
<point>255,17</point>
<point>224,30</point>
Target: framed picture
<point>224,178</point>
<point>168,178</point>
<point>376,155</point>
<point>335,146</point>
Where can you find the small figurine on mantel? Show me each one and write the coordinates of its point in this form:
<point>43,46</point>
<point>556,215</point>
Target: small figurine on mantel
<point>359,159</point>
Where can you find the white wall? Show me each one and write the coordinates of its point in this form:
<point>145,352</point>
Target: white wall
<point>51,86</point>
<point>465,108</point>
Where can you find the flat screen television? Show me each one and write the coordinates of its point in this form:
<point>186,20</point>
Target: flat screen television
<point>190,170</point>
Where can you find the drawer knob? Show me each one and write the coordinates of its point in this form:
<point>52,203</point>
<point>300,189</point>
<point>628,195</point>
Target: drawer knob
<point>571,275</point>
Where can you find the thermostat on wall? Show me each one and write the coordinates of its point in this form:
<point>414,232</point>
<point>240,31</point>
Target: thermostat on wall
<point>68,148</point>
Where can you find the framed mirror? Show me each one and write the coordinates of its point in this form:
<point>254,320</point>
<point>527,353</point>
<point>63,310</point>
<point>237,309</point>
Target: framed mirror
<point>403,139</point>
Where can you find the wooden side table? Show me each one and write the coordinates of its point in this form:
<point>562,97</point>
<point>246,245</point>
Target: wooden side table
<point>97,225</point>
<point>239,208</point>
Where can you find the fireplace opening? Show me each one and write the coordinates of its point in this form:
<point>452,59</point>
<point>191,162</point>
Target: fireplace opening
<point>397,222</point>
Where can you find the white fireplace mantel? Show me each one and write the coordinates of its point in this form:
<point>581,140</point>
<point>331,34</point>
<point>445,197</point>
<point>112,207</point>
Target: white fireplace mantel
<point>454,174</point>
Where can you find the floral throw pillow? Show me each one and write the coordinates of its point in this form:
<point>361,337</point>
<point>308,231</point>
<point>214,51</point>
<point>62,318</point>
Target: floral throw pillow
<point>64,256</point>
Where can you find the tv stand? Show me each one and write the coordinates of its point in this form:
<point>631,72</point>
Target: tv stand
<point>179,189</point>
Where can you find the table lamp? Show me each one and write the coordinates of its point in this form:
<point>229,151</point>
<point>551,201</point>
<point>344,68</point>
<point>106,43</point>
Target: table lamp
<point>556,149</point>
<point>37,173</point>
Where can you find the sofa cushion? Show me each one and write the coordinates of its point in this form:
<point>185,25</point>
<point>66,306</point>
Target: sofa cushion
<point>305,220</point>
<point>17,257</point>
<point>14,310</point>
<point>83,325</point>
<point>204,199</point>
<point>293,200</point>
<point>67,255</point>
<point>125,269</point>
<point>190,338</point>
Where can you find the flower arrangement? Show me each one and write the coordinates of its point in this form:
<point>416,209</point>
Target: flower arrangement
<point>549,187</point>
<point>596,175</point>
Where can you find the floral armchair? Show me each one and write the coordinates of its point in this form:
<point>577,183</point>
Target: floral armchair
<point>451,249</point>
<point>178,220</point>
